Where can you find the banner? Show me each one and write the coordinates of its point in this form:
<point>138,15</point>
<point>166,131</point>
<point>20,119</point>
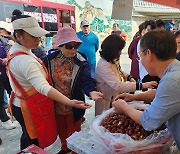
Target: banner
<point>122,9</point>
<point>172,3</point>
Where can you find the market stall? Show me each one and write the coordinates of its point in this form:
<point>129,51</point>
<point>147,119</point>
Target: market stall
<point>111,133</point>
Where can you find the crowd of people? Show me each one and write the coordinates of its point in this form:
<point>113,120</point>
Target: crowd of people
<point>63,76</point>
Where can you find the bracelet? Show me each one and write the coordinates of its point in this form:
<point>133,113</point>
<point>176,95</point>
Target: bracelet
<point>138,86</point>
<point>129,77</point>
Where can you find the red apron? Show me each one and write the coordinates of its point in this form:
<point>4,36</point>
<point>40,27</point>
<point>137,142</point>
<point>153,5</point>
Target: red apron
<point>37,110</point>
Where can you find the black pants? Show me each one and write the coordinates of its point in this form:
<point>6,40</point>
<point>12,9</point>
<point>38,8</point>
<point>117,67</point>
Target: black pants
<point>149,78</point>
<point>25,139</point>
<point>4,85</point>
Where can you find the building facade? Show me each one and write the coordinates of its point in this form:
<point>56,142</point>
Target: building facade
<point>53,14</point>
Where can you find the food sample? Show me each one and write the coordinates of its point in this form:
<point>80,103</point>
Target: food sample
<point>121,123</point>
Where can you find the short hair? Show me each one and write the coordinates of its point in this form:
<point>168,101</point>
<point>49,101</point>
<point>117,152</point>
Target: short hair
<point>152,23</point>
<point>177,33</point>
<point>162,43</point>
<point>160,23</point>
<point>116,24</point>
<point>111,47</point>
<point>141,27</point>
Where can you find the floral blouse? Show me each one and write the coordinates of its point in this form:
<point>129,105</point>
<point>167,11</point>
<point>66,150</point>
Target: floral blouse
<point>62,80</point>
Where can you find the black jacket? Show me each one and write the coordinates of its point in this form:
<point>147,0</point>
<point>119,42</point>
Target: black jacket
<point>178,56</point>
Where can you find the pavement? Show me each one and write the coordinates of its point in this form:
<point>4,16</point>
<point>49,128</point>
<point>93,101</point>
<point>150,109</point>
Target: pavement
<point>11,138</point>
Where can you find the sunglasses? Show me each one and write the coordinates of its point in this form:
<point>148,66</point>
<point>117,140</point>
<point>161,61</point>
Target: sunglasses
<point>86,26</point>
<point>70,46</point>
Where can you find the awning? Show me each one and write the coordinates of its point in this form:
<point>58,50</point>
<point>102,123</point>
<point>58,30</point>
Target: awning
<point>172,3</point>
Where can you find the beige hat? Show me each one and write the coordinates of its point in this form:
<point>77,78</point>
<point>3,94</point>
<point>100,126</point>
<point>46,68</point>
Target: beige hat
<point>84,23</point>
<point>7,26</point>
<point>29,25</point>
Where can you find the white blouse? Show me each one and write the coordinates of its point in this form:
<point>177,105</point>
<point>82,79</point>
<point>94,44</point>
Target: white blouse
<point>28,72</point>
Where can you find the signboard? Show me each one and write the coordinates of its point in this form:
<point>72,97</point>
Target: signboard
<point>122,9</point>
<point>43,3</point>
<point>23,1</point>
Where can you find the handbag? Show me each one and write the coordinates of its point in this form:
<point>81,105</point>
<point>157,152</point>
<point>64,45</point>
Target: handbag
<point>38,111</point>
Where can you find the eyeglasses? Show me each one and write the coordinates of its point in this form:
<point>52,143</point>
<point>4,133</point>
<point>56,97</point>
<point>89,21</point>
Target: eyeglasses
<point>144,51</point>
<point>70,46</point>
<point>139,57</point>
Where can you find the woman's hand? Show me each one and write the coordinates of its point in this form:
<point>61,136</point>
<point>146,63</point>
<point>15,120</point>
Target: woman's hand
<point>125,96</point>
<point>4,61</point>
<point>150,84</point>
<point>79,104</point>
<point>96,95</point>
<point>132,80</point>
<point>11,42</point>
